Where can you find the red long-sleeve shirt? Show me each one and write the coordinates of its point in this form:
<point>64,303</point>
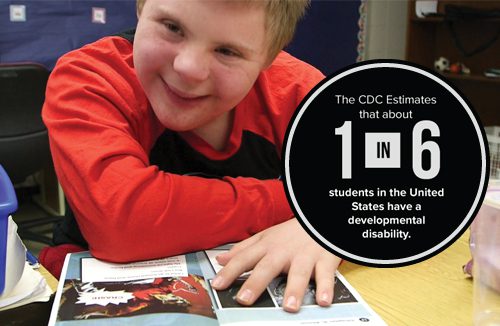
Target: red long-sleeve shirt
<point>102,131</point>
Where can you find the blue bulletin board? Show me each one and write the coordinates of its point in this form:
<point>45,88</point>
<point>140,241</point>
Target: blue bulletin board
<point>328,36</point>
<point>43,30</point>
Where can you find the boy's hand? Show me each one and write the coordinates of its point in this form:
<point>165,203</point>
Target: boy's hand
<point>283,248</point>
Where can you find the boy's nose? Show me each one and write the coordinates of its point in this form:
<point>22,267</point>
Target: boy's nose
<point>192,64</point>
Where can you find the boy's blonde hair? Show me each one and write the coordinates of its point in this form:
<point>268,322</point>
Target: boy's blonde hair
<point>282,17</point>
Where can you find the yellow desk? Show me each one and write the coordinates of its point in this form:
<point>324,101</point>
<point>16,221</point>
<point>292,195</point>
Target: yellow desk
<point>433,292</point>
<point>51,280</point>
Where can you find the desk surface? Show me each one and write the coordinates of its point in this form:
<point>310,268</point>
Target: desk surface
<point>433,292</point>
<point>51,280</point>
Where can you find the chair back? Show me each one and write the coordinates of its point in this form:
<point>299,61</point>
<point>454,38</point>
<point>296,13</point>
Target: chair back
<point>24,147</point>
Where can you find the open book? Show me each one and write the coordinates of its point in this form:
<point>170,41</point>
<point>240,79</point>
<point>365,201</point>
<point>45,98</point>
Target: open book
<point>177,291</point>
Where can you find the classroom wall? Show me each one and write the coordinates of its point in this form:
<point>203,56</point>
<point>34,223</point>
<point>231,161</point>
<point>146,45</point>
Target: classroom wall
<point>43,30</point>
<point>326,38</point>
<point>337,20</point>
<point>386,29</point>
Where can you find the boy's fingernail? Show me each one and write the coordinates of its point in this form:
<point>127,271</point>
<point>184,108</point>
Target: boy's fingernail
<point>245,296</point>
<point>291,303</point>
<point>219,256</point>
<point>217,281</point>
<point>325,298</point>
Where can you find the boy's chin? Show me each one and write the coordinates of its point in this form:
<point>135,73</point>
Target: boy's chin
<point>177,126</point>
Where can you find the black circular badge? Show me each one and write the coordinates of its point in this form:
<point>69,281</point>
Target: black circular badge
<point>385,163</point>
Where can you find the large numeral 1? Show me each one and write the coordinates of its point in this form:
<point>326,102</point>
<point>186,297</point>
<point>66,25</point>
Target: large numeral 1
<point>345,132</point>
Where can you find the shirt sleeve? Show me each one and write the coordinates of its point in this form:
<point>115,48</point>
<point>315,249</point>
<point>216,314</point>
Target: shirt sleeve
<point>100,132</point>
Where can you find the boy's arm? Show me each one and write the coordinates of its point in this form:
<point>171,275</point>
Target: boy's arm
<point>126,209</point>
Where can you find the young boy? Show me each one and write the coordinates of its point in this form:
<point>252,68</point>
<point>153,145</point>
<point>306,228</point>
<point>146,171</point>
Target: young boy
<point>168,141</point>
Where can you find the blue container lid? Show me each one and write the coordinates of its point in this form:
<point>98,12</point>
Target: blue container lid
<point>8,205</point>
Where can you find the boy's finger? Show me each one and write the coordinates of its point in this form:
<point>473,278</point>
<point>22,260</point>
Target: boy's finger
<point>263,273</point>
<point>325,281</point>
<point>299,276</point>
<point>240,263</point>
<point>224,258</point>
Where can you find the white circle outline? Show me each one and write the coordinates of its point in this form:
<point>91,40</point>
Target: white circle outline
<point>328,243</point>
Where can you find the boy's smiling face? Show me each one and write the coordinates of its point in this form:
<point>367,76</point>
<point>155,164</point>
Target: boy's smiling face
<point>197,59</point>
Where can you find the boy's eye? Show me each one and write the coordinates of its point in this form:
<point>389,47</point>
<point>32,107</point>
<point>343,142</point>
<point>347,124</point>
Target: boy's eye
<point>228,52</point>
<point>173,27</point>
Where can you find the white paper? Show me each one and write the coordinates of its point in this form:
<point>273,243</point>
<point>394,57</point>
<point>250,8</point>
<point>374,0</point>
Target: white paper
<point>23,285</point>
<point>17,13</point>
<point>32,287</point>
<point>425,7</point>
<point>94,270</point>
<point>15,259</point>
<point>103,298</point>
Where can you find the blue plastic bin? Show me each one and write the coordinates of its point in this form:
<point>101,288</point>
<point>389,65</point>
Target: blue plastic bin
<point>8,205</point>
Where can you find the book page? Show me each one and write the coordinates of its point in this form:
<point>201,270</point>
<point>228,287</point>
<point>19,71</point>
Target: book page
<point>94,270</point>
<point>348,307</point>
<point>188,299</point>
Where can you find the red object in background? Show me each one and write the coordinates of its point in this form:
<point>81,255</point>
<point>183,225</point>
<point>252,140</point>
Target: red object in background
<point>456,68</point>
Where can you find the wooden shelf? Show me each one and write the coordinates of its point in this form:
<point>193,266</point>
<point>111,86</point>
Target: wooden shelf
<point>472,78</point>
<point>439,19</point>
<point>427,20</point>
<point>431,37</point>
